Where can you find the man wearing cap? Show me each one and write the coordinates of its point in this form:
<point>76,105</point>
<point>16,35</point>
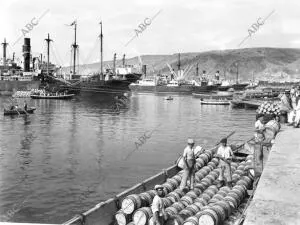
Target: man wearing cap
<point>225,154</point>
<point>157,206</point>
<point>189,163</point>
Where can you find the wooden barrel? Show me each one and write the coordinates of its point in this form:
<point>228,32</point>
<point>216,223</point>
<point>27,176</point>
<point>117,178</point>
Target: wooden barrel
<point>208,217</point>
<point>180,192</point>
<point>201,200</point>
<point>205,183</point>
<point>220,211</point>
<point>142,215</point>
<point>214,174</point>
<point>175,220</point>
<point>239,172</point>
<point>248,180</point>
<point>174,183</point>
<point>239,192</point>
<point>146,197</point>
<point>235,177</point>
<point>210,192</point>
<point>175,195</point>
<point>193,208</point>
<point>185,213</point>
<point>121,217</point>
<point>172,211</point>
<point>152,193</point>
<point>208,179</point>
<point>226,206</point>
<point>205,196</point>
<point>205,158</point>
<point>131,223</point>
<point>187,199</point>
<point>214,188</point>
<point>200,163</point>
<point>199,205</point>
<point>193,220</point>
<point>131,203</point>
<point>222,193</point>
<point>172,199</point>
<point>215,160</point>
<point>178,206</point>
<point>232,201</point>
<point>191,194</point>
<point>207,169</point>
<point>226,189</point>
<point>235,196</point>
<point>197,191</point>
<point>168,187</point>
<point>218,197</point>
<point>166,202</point>
<point>177,178</point>
<point>243,182</point>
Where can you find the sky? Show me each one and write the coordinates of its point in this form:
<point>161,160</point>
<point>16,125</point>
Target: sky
<point>177,26</point>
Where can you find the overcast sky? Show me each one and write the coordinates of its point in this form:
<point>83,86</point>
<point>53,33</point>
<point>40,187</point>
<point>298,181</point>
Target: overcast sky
<point>180,26</point>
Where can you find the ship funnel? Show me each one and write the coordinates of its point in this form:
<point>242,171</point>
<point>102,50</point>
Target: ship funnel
<point>26,54</point>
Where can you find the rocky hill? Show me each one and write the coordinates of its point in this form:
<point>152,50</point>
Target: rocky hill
<point>258,63</point>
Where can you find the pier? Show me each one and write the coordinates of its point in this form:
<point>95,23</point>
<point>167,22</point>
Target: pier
<point>277,200</point>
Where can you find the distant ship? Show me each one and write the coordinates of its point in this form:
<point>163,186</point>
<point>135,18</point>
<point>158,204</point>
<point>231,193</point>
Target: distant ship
<point>13,77</point>
<point>175,83</point>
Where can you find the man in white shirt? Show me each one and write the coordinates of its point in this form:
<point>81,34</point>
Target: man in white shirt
<point>189,165</point>
<point>225,155</point>
<point>259,128</point>
<point>157,206</point>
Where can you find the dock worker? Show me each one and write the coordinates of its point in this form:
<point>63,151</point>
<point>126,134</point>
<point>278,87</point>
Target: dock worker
<point>189,160</point>
<point>25,106</point>
<point>259,128</point>
<point>157,206</point>
<point>225,154</point>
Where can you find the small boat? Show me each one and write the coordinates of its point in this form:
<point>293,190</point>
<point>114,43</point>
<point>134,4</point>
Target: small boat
<point>213,95</point>
<point>67,96</point>
<point>214,102</point>
<point>19,111</point>
<point>133,203</point>
<point>169,98</point>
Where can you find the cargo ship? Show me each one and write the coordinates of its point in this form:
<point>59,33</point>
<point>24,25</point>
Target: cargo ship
<point>112,81</point>
<point>13,77</point>
<point>161,83</point>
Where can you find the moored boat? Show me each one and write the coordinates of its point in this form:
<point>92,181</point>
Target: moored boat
<point>64,96</point>
<point>214,102</point>
<point>8,112</point>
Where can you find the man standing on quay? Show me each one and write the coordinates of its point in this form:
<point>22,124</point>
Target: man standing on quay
<point>189,165</point>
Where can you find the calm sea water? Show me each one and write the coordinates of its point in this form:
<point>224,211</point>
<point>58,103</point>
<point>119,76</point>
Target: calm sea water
<point>71,155</point>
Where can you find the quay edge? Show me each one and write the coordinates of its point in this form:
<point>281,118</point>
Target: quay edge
<point>276,199</point>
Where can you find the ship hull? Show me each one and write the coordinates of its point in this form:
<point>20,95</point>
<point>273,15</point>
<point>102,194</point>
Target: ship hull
<point>184,89</point>
<point>10,87</point>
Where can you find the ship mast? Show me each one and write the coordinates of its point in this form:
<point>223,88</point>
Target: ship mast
<point>101,52</point>
<point>4,52</point>
<point>197,70</point>
<point>75,46</point>
<point>123,61</point>
<point>48,52</point>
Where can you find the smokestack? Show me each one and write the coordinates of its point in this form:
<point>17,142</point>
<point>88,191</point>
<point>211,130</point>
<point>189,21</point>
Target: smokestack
<point>114,63</point>
<point>26,54</point>
<point>4,52</point>
<point>123,60</point>
<point>144,70</point>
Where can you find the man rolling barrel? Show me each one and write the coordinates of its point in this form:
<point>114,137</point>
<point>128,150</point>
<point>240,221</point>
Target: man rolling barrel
<point>225,155</point>
<point>189,160</point>
<point>157,206</point>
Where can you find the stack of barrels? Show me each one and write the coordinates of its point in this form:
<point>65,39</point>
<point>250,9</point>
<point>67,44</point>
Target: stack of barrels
<point>205,204</point>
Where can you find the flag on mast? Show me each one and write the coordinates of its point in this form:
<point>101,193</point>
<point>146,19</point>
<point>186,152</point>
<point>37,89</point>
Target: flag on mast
<point>73,23</point>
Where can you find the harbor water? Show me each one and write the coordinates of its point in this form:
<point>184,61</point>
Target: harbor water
<point>70,155</point>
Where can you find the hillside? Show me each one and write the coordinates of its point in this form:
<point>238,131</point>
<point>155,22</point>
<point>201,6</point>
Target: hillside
<point>260,63</point>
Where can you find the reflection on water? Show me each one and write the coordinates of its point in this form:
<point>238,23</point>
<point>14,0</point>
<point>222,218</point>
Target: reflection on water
<point>70,155</point>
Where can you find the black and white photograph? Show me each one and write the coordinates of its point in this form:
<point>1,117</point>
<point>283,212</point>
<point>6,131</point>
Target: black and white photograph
<point>150,112</point>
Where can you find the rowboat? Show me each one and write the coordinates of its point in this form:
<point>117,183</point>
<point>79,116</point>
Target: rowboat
<point>67,96</point>
<point>18,111</point>
<point>218,95</point>
<point>134,203</point>
<point>214,102</point>
<point>169,98</point>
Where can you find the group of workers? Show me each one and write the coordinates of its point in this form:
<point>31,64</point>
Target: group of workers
<point>290,103</point>
<point>224,154</point>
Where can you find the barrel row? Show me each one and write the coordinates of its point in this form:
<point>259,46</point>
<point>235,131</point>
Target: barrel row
<point>137,201</point>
